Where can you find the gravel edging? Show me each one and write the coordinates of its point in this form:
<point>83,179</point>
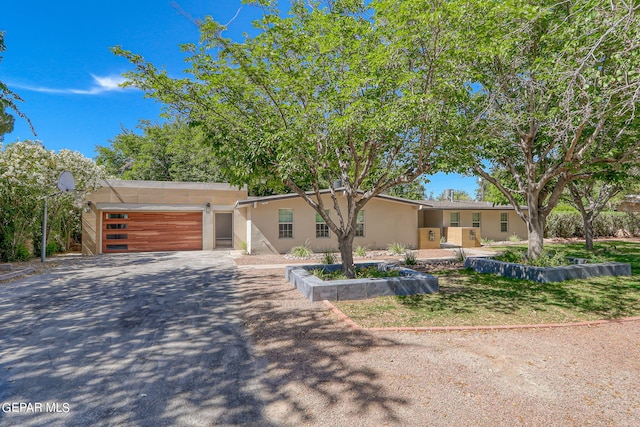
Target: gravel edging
<point>352,324</point>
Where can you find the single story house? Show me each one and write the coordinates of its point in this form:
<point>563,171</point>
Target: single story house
<point>138,216</point>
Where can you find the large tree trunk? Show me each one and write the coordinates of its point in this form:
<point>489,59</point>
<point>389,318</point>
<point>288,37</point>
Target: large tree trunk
<point>345,244</point>
<point>535,227</point>
<point>588,231</point>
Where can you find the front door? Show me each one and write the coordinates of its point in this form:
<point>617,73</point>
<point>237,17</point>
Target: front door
<point>224,230</point>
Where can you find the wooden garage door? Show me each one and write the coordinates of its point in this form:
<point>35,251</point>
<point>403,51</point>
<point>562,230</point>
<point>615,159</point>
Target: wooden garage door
<point>151,231</point>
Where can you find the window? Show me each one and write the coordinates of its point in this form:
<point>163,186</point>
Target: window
<point>475,219</point>
<point>116,226</point>
<point>285,223</point>
<point>360,224</point>
<point>454,219</point>
<point>504,222</point>
<point>117,247</point>
<point>117,236</point>
<point>322,229</point>
<point>117,216</point>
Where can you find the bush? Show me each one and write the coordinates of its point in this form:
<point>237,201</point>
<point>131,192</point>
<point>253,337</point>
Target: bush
<point>21,254</point>
<point>360,251</point>
<point>511,255</point>
<point>607,224</point>
<point>52,248</point>
<point>301,251</point>
<point>514,238</point>
<point>410,258</point>
<point>328,257</point>
<point>396,248</point>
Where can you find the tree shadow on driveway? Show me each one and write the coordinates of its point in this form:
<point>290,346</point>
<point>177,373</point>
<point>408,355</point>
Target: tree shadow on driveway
<point>132,339</point>
<point>311,357</point>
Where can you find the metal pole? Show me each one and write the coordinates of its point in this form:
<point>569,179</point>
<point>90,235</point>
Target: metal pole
<point>43,249</point>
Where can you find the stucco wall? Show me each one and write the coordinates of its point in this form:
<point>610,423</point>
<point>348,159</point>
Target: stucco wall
<point>156,196</point>
<point>385,222</point>
<point>490,223</point>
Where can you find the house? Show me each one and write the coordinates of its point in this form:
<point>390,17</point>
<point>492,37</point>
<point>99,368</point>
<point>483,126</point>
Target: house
<point>137,216</point>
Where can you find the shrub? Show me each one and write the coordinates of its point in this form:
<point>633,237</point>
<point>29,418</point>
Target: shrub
<point>52,248</point>
<point>360,251</point>
<point>549,259</point>
<point>607,224</point>
<point>396,248</point>
<point>410,258</point>
<point>514,238</point>
<point>328,257</point>
<point>511,255</point>
<point>301,251</point>
<point>22,254</point>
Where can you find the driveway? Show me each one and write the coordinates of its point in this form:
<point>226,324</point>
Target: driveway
<point>130,339</point>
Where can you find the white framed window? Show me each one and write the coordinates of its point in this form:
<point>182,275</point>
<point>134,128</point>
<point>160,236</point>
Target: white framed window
<point>285,223</point>
<point>322,229</point>
<point>504,222</point>
<point>360,224</point>
<point>454,219</point>
<point>475,219</point>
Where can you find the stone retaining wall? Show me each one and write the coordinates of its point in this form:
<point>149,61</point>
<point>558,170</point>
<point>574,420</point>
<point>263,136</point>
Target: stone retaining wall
<point>547,274</point>
<point>410,282</point>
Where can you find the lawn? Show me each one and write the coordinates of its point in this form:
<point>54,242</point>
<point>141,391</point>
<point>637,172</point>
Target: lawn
<point>467,298</point>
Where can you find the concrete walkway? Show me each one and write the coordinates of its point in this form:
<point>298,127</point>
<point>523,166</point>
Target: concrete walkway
<point>131,339</point>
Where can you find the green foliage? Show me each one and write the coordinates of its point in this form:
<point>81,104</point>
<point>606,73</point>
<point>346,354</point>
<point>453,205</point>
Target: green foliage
<point>396,248</point>
<point>346,91</point>
<point>328,257</point>
<point>360,251</point>
<point>303,251</point>
<point>21,254</point>
<point>514,238</point>
<point>167,152</point>
<point>554,97</point>
<point>607,224</point>
<point>412,191</point>
<point>52,248</point>
<point>371,272</point>
<point>28,174</point>
<point>410,258</point>
<point>511,255</point>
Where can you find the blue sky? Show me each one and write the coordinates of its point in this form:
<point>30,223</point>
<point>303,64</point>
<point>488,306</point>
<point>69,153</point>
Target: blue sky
<point>58,60</point>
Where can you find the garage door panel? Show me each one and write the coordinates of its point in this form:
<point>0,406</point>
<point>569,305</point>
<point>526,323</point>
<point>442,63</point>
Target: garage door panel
<point>152,231</point>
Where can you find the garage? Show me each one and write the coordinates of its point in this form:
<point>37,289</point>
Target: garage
<point>151,231</point>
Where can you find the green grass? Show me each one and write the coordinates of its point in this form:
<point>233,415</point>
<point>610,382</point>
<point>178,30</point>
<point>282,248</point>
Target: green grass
<point>468,298</point>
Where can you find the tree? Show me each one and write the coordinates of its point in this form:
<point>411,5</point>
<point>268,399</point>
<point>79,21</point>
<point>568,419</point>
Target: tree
<point>28,173</point>
<point>333,92</point>
<point>167,152</point>
<point>555,95</point>
<point>8,100</point>
<point>412,191</point>
<point>591,195</point>
<point>458,195</point>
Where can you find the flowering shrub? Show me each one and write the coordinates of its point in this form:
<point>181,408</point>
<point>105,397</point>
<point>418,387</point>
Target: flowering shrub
<point>29,173</point>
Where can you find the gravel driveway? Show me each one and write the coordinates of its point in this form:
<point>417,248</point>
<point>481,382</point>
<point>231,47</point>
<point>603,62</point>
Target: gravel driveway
<point>131,339</point>
<point>185,339</point>
<point>322,373</point>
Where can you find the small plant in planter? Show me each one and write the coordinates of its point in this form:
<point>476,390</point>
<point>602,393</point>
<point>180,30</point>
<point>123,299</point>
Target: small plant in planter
<point>328,257</point>
<point>410,258</point>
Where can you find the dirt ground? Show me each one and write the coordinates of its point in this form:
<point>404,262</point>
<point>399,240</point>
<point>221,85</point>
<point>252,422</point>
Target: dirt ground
<point>320,372</point>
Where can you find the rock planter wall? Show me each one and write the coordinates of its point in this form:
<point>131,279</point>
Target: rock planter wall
<point>547,274</point>
<point>410,282</point>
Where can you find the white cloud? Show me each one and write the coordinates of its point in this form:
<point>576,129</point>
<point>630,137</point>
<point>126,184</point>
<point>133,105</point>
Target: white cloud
<point>101,85</point>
